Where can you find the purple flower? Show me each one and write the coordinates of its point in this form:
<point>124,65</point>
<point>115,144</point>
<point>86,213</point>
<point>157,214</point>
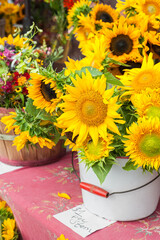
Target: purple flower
<point>8,54</point>
<point>9,46</point>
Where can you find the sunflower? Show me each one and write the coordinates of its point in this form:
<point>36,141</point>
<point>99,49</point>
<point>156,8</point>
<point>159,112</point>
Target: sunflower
<point>17,41</point>
<point>154,42</point>
<point>10,121</point>
<point>8,227</point>
<point>9,209</point>
<point>44,92</point>
<point>70,141</point>
<point>122,41</point>
<point>139,21</point>
<point>85,30</point>
<point>91,153</point>
<point>21,14</point>
<point>80,7</point>
<point>3,1</point>
<point>147,103</point>
<point>9,8</point>
<point>127,6</point>
<point>91,60</point>
<point>73,65</point>
<point>149,7</point>
<point>104,15</point>
<point>2,204</point>
<point>137,79</point>
<point>21,140</point>
<point>95,51</point>
<point>10,12</point>
<point>143,143</point>
<point>89,109</point>
<point>131,64</point>
<point>154,23</point>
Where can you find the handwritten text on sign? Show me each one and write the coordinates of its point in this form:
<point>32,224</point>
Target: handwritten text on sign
<point>81,221</point>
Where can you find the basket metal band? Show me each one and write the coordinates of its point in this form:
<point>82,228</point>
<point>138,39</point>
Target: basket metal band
<point>7,137</point>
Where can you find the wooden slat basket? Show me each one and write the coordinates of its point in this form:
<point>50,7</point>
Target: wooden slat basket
<point>32,156</point>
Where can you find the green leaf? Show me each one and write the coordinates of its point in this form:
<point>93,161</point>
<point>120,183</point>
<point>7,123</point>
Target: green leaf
<point>3,68</point>
<point>94,71</point>
<point>130,166</point>
<point>112,80</point>
<point>118,63</point>
<point>22,98</point>
<point>0,229</point>
<point>55,5</point>
<point>30,108</point>
<point>100,172</point>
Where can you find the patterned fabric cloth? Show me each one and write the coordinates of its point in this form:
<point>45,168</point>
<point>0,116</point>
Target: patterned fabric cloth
<point>32,194</point>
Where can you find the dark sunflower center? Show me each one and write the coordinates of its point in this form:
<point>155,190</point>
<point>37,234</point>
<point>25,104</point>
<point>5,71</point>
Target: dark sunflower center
<point>69,135</point>
<point>131,65</point>
<point>156,49</point>
<point>47,92</point>
<point>121,44</point>
<point>104,16</point>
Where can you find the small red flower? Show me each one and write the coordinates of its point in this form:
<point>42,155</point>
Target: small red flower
<point>16,76</point>
<point>68,3</point>
<point>25,91</point>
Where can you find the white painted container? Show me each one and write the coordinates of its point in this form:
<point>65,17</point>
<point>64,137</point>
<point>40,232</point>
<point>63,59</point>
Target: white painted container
<point>129,206</point>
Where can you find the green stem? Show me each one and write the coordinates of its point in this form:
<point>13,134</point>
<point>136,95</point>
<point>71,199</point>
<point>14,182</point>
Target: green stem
<point>0,230</point>
<point>31,124</point>
<point>36,117</point>
<point>122,114</point>
<point>130,120</point>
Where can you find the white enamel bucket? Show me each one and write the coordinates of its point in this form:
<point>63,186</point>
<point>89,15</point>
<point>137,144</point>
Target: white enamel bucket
<point>128,206</point>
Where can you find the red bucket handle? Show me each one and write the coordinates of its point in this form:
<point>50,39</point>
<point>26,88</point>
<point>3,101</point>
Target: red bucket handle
<point>94,189</point>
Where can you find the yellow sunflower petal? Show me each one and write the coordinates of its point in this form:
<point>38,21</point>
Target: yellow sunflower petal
<point>64,195</point>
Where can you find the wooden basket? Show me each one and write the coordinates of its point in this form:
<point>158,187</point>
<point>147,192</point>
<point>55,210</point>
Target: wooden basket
<point>32,156</point>
<point>2,27</point>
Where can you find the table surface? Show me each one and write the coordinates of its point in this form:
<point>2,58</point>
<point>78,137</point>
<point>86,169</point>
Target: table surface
<point>32,194</point>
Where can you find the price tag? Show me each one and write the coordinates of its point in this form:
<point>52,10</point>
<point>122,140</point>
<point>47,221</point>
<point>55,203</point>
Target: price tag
<point>81,221</point>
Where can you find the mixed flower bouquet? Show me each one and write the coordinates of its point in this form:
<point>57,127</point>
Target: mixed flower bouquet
<point>20,59</point>
<point>105,105</point>
<point>18,56</point>
<point>8,228</point>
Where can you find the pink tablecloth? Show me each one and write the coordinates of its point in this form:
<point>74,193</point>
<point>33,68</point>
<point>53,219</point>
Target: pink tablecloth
<point>32,193</point>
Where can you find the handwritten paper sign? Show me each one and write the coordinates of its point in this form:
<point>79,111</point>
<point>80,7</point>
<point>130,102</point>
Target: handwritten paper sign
<point>81,221</point>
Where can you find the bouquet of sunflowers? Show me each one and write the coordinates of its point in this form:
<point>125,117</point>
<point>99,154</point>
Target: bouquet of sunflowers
<point>111,109</point>
<point>8,228</point>
<point>105,105</point>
